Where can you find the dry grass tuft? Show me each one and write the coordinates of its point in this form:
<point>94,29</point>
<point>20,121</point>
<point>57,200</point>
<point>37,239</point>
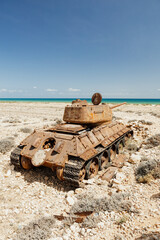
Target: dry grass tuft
<point>6,144</point>
<point>147,171</point>
<point>117,202</point>
<point>153,141</point>
<point>26,130</point>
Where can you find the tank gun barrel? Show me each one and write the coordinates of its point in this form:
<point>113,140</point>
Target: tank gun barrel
<point>118,105</point>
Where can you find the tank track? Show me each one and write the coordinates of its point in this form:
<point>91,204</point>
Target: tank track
<point>72,170</point>
<point>73,167</point>
<point>15,156</point>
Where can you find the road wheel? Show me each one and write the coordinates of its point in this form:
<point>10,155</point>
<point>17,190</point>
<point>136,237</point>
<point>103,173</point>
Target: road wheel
<point>104,159</point>
<point>93,169</point>
<point>26,163</point>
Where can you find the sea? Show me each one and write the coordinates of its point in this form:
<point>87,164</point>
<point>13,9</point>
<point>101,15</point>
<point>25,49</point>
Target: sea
<point>154,101</point>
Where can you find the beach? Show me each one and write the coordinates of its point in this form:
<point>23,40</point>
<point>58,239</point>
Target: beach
<point>29,200</point>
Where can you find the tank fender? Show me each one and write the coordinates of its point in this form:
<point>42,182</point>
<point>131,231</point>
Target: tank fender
<point>88,154</point>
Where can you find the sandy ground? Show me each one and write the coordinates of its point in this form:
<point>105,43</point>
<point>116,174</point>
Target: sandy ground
<point>30,199</point>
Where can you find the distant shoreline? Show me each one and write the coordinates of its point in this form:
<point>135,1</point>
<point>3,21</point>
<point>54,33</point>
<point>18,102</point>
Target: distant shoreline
<point>153,101</point>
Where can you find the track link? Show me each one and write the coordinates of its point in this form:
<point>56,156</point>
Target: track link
<point>15,156</point>
<point>72,170</point>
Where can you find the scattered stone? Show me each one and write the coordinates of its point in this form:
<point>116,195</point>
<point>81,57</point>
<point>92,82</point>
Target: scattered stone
<point>18,174</point>
<point>120,188</point>
<point>70,193</point>
<point>8,173</point>
<point>134,158</point>
<point>78,190</point>
<point>70,200</point>
<point>120,176</point>
<point>89,181</point>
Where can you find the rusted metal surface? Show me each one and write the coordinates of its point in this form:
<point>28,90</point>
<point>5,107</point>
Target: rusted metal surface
<point>118,161</point>
<point>76,217</point>
<point>118,105</point>
<point>109,173</point>
<point>87,114</point>
<point>80,147</point>
<point>112,170</point>
<point>72,128</point>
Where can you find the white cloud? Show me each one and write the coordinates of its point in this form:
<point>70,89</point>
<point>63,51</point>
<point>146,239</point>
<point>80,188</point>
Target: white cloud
<point>10,90</point>
<point>51,90</point>
<point>73,90</point>
<point>158,89</point>
<point>3,90</point>
<point>34,87</point>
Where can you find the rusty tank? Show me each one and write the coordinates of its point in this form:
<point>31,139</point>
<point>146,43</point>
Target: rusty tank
<point>85,143</point>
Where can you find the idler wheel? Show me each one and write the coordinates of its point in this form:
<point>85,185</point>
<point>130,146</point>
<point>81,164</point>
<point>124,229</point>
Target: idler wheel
<point>82,174</point>
<point>93,169</point>
<point>104,159</point>
<point>26,163</point>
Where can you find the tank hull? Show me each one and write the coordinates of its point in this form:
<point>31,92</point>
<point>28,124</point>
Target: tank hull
<point>75,151</point>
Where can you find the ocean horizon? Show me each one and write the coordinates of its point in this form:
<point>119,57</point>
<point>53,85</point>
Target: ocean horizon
<point>155,101</point>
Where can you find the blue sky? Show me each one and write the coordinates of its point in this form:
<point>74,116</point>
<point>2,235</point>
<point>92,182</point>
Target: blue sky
<point>72,48</point>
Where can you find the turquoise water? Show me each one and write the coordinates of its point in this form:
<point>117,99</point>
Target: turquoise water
<point>106,100</point>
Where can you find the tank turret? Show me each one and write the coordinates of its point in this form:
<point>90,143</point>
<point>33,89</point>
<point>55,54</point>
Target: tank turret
<point>81,112</point>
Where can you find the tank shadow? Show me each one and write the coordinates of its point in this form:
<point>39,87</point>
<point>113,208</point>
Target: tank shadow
<point>46,176</point>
